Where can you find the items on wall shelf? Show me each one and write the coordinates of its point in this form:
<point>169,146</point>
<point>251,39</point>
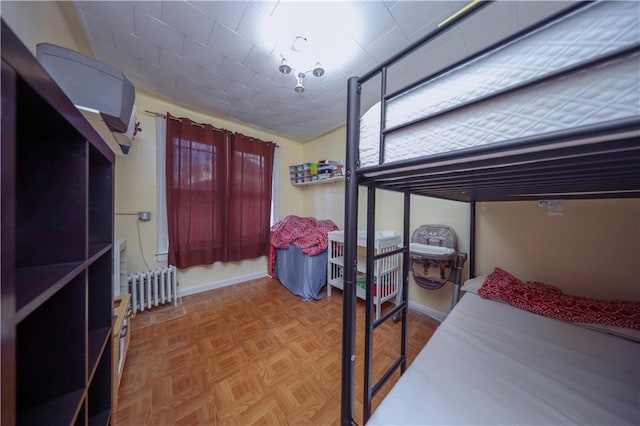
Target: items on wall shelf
<point>322,171</point>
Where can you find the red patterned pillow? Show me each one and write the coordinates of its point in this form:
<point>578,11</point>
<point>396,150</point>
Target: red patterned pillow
<point>496,282</point>
<point>548,300</point>
<point>500,282</point>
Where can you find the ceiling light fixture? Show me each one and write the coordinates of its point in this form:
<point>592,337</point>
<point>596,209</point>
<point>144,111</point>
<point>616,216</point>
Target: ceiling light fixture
<point>296,60</point>
<point>299,87</point>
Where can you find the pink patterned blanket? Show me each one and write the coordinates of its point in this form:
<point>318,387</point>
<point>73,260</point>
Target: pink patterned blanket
<point>545,299</point>
<point>305,232</point>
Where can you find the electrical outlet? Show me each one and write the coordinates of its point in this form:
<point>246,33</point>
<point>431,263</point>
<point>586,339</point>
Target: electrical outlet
<point>144,215</point>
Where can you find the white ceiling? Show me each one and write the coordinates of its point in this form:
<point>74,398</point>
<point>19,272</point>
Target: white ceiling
<point>222,57</point>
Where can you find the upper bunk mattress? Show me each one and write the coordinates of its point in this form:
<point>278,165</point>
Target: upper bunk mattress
<point>589,95</point>
<point>490,363</point>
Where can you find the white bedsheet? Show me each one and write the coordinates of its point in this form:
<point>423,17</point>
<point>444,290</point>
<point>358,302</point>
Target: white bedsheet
<point>489,363</point>
<point>594,96</point>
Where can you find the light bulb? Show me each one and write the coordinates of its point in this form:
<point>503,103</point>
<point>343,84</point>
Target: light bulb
<point>299,87</point>
<point>284,68</point>
<point>318,71</point>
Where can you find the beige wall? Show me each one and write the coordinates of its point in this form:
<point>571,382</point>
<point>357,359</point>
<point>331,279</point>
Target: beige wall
<point>136,190</point>
<point>43,21</point>
<point>326,200</point>
<point>593,250</point>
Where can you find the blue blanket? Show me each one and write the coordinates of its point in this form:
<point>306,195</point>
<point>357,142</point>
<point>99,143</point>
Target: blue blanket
<point>304,276</point>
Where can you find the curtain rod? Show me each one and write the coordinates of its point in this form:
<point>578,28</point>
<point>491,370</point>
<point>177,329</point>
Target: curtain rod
<point>157,114</point>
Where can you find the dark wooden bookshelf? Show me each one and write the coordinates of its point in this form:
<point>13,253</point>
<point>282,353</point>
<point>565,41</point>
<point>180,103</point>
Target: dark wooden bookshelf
<point>36,284</point>
<point>61,410</point>
<point>96,250</point>
<point>81,418</point>
<point>97,342</point>
<point>57,180</point>
<point>99,396</point>
<point>100,419</point>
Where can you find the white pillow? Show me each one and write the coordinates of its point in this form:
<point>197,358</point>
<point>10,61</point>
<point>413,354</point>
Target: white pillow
<point>474,284</point>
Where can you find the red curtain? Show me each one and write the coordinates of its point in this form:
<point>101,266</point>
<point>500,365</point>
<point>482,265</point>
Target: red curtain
<point>218,194</point>
<point>249,212</point>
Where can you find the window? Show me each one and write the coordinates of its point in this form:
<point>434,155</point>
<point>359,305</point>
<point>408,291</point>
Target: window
<point>161,179</point>
<point>218,190</point>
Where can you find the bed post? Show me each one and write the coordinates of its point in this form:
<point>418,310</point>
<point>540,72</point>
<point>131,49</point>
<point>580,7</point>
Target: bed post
<point>405,279</point>
<point>350,248</point>
<point>368,316</point>
<point>472,239</point>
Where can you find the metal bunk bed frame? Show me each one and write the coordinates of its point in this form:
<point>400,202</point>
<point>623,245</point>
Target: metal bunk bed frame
<point>506,171</point>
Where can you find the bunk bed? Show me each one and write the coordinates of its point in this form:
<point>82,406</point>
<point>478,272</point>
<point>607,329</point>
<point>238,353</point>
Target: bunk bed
<point>550,112</point>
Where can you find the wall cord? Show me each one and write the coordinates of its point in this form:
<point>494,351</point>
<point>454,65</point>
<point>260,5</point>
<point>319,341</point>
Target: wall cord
<point>140,243</point>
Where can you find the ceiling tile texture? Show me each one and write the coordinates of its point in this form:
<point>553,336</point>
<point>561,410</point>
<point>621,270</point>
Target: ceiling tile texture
<point>222,57</point>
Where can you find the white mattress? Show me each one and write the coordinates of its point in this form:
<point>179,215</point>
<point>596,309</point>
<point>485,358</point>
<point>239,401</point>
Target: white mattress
<point>595,95</point>
<point>489,363</point>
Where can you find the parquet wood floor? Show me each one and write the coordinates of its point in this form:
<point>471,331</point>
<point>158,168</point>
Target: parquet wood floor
<point>251,353</point>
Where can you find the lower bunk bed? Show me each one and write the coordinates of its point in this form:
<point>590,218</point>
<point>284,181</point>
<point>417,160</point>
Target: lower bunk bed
<point>491,363</point>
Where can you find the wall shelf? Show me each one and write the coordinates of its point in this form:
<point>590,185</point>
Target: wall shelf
<point>319,182</point>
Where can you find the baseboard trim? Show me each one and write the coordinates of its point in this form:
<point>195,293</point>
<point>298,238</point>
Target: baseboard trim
<point>219,284</point>
<point>425,310</point>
